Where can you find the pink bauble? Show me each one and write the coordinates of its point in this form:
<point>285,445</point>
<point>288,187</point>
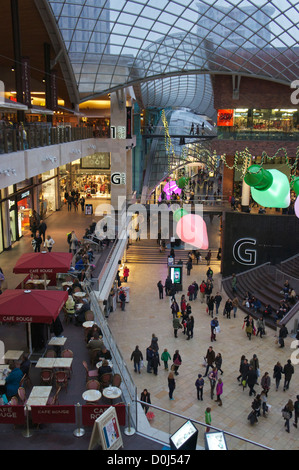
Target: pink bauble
<point>296,206</point>
<point>192,229</point>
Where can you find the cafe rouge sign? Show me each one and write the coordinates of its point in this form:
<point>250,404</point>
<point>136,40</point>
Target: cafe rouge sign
<point>17,319</point>
<point>41,270</point>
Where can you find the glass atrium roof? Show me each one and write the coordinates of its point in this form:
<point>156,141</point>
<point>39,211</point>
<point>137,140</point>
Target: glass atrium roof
<point>117,43</point>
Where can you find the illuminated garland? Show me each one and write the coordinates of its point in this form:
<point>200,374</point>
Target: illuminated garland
<point>245,156</point>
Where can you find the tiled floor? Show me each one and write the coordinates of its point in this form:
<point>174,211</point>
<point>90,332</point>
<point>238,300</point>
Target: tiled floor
<point>146,314</point>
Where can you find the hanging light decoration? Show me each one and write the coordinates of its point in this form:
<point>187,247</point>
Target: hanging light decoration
<point>269,188</point>
<point>192,229</point>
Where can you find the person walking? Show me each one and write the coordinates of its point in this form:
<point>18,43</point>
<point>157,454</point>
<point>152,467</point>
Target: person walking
<point>243,357</point>
<point>213,376</point>
<point>74,242</point>
<point>260,327</point>
<point>122,297</point>
<point>126,273</point>
<point>287,413</point>
<point>218,363</point>
<point>174,308</point>
<point>217,299</point>
<point>82,203</point>
<point>154,343</point>
<point>49,242</point>
<point>288,371</point>
<point>208,419</point>
<point>251,380</point>
<point>228,308</point>
<point>155,362</point>
<point>176,326</point>
<point>177,361</point>
<point>266,383</point>
<point>149,356</point>
<point>137,357</point>
<point>210,358</point>
<point>146,398</point>
<point>210,305</point>
<point>264,403</point>
<point>219,391</point>
<point>208,258</point>
<point>165,357</point>
<point>190,327</point>
<point>202,291</point>
<point>214,325</point>
<point>42,229</point>
<point>199,384</point>
<point>296,411</point>
<point>277,374</point>
<point>235,305</point>
<point>38,241</point>
<point>160,289</point>
<point>255,364</point>
<point>171,385</point>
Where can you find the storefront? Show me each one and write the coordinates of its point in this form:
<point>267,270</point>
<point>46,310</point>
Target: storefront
<point>90,175</point>
<point>18,203</point>
<point>284,120</point>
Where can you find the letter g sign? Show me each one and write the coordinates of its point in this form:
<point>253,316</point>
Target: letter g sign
<point>242,254</point>
<point>118,178</point>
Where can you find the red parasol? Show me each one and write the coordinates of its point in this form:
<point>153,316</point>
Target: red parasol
<point>43,263</point>
<point>36,306</point>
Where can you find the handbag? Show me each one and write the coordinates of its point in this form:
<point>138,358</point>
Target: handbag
<point>177,362</point>
<point>286,414</point>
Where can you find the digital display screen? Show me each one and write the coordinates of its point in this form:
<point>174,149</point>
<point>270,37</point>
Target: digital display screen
<point>181,436</point>
<point>176,275</point>
<point>215,441</point>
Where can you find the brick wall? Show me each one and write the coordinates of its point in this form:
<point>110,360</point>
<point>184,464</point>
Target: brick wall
<point>254,93</point>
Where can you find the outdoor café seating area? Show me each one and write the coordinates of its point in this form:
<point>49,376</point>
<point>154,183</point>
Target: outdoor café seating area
<point>68,361</point>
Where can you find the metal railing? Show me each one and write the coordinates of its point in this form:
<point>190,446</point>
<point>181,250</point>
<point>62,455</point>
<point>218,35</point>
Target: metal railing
<point>251,134</point>
<point>14,140</point>
<point>174,421</point>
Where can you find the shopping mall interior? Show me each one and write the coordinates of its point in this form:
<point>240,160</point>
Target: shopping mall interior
<point>145,141</point>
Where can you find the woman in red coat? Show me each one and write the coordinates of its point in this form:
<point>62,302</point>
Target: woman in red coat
<point>126,273</point>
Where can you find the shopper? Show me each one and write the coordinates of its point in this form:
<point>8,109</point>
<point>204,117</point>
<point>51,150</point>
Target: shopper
<point>218,363</point>
<point>213,376</point>
<point>219,391</point>
<point>266,383</point>
<point>288,371</point>
<point>208,419</point>
<point>146,398</point>
<point>177,361</point>
<point>165,357</point>
<point>160,289</point>
<point>199,384</point>
<point>137,357</point>
<point>287,413</point>
<point>126,273</point>
<point>176,325</point>
<point>171,385</point>
<point>277,374</point>
<point>38,241</point>
<point>210,358</point>
<point>49,242</point>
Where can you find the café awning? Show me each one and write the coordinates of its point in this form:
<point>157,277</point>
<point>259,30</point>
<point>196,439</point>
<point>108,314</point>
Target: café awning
<point>31,306</point>
<point>43,263</point>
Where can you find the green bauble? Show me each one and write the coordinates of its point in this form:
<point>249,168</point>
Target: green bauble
<point>181,183</point>
<point>177,215</point>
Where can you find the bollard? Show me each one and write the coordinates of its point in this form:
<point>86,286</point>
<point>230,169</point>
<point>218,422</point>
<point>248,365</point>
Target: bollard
<point>27,432</point>
<point>79,432</point>
<point>129,431</point>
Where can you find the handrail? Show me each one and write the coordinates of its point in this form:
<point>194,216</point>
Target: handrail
<point>204,424</point>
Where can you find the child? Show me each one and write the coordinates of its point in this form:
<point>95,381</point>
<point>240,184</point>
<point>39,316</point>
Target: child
<point>208,419</point>
<point>165,358</point>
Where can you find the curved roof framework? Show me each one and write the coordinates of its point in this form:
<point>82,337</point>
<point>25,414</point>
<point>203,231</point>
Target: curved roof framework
<point>115,43</point>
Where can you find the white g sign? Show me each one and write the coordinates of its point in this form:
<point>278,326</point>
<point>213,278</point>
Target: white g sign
<point>242,254</point>
<point>118,178</point>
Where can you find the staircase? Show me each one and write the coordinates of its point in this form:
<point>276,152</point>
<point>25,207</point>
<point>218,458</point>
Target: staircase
<point>147,252</point>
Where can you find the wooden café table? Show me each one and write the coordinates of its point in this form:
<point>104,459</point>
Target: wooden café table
<point>12,355</point>
<point>39,396</point>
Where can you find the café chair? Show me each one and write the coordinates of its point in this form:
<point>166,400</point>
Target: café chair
<point>105,380</point>
<point>116,381</point>
<point>89,315</point>
<point>68,314</point>
<point>67,353</point>
<point>94,356</point>
<point>22,395</point>
<point>93,385</point>
<point>46,377</point>
<point>61,379</point>
<point>14,401</point>
<point>54,399</point>
<point>89,373</point>
<point>50,353</point>
<point>24,380</point>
